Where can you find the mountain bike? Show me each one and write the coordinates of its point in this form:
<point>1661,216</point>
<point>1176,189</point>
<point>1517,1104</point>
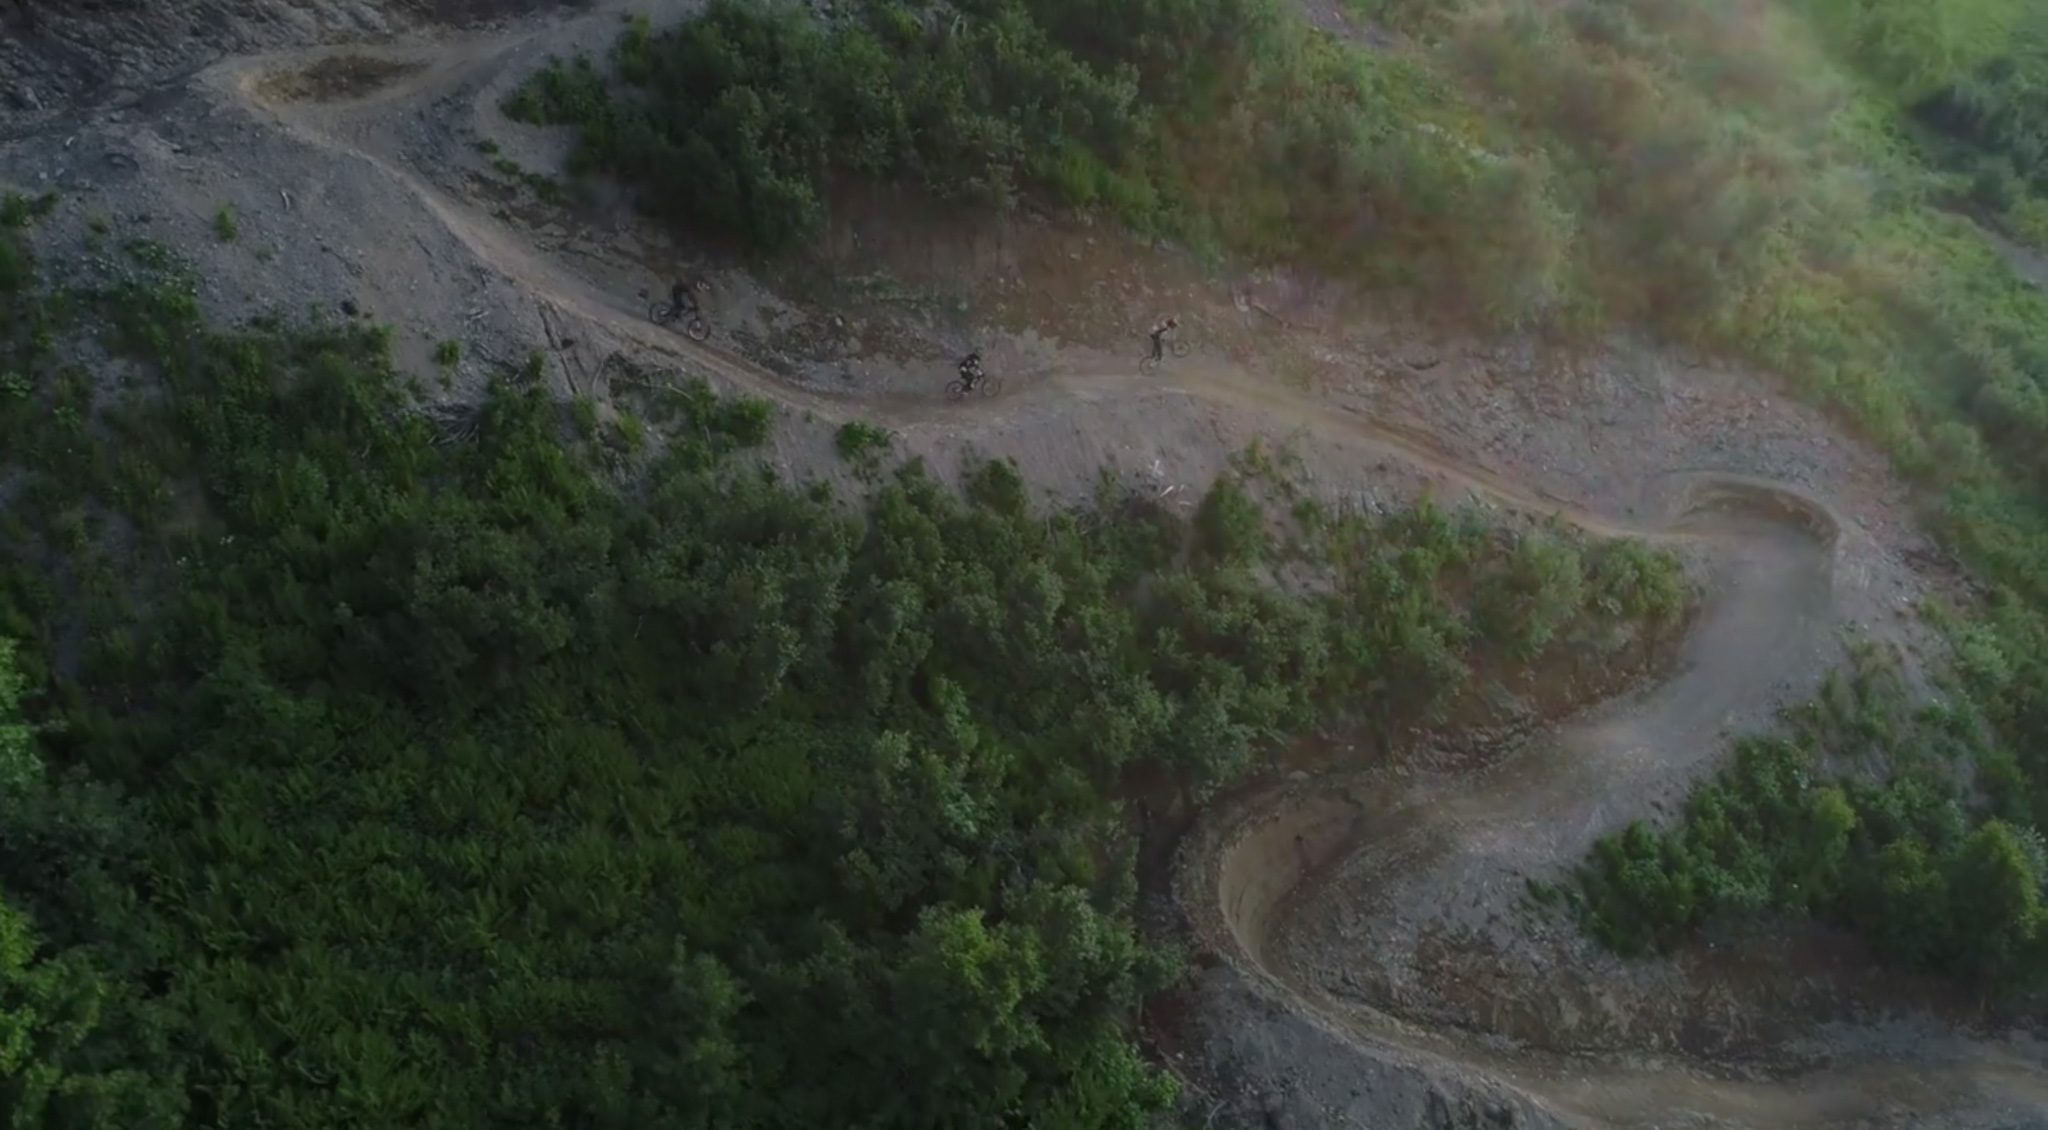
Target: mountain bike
<point>985,386</point>
<point>666,313</point>
<point>1178,347</point>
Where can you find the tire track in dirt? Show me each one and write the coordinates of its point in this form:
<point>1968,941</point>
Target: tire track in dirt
<point>1250,871</point>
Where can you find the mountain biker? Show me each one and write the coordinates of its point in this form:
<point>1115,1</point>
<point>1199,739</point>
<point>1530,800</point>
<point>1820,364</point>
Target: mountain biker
<point>682,298</point>
<point>1159,335</point>
<point>970,371</point>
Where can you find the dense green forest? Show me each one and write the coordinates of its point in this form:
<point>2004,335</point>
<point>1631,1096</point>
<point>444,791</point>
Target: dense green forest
<point>366,763</point>
<point>1799,185</point>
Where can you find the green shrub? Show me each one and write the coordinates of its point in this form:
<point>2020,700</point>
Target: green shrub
<point>583,416</point>
<point>858,440</point>
<point>1531,596</point>
<point>1887,857</point>
<point>546,188</point>
<point>1229,526</point>
<point>632,433</point>
<point>1915,49</point>
<point>16,210</point>
<point>737,120</point>
<point>16,265</point>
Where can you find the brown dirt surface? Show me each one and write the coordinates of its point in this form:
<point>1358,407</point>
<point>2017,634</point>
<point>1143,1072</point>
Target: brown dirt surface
<point>332,79</point>
<point>1370,958</point>
<point>64,63</point>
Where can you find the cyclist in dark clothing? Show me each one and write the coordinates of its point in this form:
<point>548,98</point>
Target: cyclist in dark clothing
<point>1159,335</point>
<point>970,371</point>
<point>682,299</point>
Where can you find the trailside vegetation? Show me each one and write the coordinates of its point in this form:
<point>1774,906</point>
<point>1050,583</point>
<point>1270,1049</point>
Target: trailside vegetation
<point>371,765</point>
<point>739,118</point>
<point>1860,815</point>
<point>1226,121</point>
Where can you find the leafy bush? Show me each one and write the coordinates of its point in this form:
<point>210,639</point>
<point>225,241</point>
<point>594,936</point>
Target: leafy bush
<point>16,265</point>
<point>859,440</point>
<point>1229,525</point>
<point>16,210</point>
<point>738,119</point>
<point>1916,48</point>
<point>1894,858</point>
<point>1537,591</point>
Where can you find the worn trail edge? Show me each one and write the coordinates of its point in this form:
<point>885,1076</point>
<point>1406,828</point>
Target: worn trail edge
<point>1250,870</point>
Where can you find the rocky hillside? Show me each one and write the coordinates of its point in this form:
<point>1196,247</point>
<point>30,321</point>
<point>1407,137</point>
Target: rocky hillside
<point>61,61</point>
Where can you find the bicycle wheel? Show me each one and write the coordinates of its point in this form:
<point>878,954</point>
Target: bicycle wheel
<point>660,313</point>
<point>1149,365</point>
<point>956,389</point>
<point>1182,348</point>
<point>698,329</point>
<point>990,386</point>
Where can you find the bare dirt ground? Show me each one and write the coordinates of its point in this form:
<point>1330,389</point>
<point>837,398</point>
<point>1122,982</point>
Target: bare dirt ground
<point>1372,960</point>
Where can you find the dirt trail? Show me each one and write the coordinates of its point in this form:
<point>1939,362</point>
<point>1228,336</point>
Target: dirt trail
<point>351,127</point>
<point>1295,885</point>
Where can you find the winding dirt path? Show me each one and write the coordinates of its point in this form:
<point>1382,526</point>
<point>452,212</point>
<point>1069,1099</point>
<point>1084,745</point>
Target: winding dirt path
<point>1309,882</point>
<point>1291,885</point>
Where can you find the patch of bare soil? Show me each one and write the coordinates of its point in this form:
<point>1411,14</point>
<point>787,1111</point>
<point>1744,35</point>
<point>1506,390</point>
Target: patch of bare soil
<point>1370,963</point>
<point>60,61</point>
<point>333,79</point>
